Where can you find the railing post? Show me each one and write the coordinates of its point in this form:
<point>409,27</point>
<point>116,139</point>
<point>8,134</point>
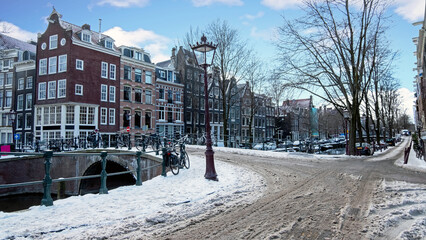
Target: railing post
<point>103,189</point>
<point>130,143</point>
<point>47,181</point>
<point>138,170</point>
<point>143,144</point>
<point>163,172</point>
<point>157,143</point>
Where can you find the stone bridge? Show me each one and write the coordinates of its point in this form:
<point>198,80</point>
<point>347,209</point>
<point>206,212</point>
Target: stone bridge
<point>32,168</point>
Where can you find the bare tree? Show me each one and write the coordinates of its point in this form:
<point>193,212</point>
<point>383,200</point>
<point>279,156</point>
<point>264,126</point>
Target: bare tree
<point>325,51</point>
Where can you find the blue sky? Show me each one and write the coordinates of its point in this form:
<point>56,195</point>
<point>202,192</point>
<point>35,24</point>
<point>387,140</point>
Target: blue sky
<point>158,25</point>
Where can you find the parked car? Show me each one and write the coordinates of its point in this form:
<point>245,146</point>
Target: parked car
<point>391,141</point>
<point>363,148</point>
<point>259,146</point>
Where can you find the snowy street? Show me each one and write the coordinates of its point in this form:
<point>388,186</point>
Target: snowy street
<point>260,195</point>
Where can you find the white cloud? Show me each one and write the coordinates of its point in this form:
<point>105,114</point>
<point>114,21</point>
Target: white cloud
<point>123,3</point>
<point>411,10</point>
<point>265,34</point>
<point>407,101</point>
<point>14,31</point>
<point>281,4</point>
<point>202,3</point>
<point>153,43</point>
<point>252,17</point>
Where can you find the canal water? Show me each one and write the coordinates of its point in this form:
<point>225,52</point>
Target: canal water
<point>21,201</point>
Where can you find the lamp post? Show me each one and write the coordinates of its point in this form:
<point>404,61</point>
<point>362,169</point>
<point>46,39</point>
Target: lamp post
<point>12,116</point>
<point>205,47</point>
<point>346,116</point>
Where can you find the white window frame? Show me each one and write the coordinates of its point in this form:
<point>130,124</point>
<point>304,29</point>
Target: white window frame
<point>112,71</point>
<point>9,78</point>
<point>148,100</point>
<point>104,116</point>
<point>53,42</point>
<point>111,116</point>
<point>20,102</point>
<point>62,63</point>
<point>86,34</point>
<point>112,93</point>
<point>52,65</point>
<point>79,86</point>
<point>42,91</point>
<point>108,44</point>
<point>29,84</point>
<point>62,88</point>
<point>21,83</point>
<point>148,75</point>
<point>77,61</point>
<point>104,70</point>
<point>29,99</point>
<point>51,90</point>
<point>42,66</point>
<point>104,93</point>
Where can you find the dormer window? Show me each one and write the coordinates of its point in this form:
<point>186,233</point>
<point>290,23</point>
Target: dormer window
<point>128,53</point>
<point>86,37</point>
<point>108,44</point>
<point>138,56</point>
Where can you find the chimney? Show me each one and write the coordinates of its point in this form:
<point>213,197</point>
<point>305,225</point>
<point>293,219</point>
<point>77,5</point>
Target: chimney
<point>173,52</point>
<point>100,34</point>
<point>86,27</point>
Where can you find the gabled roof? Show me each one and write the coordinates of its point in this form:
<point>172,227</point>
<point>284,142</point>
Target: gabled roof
<point>7,42</point>
<point>165,64</point>
<point>302,103</point>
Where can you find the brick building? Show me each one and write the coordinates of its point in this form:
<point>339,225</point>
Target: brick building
<point>77,81</point>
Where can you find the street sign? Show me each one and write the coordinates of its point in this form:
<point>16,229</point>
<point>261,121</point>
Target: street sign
<point>128,129</point>
<point>17,136</point>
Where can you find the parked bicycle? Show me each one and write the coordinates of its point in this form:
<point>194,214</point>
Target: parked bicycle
<point>152,141</point>
<point>121,140</point>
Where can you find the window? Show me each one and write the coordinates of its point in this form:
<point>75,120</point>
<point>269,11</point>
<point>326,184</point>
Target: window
<point>20,103</point>
<point>8,102</point>
<point>19,121</point>
<point>128,53</point>
<point>148,77</point>
<point>175,78</point>
<point>127,73</point>
<point>42,91</point>
<point>51,93</point>
<point>111,93</point>
<point>108,44</point>
<point>87,115</point>
<point>42,68</point>
<point>70,115</point>
<point>103,116</point>
<point>52,65</point>
<point>169,76</point>
<point>29,101</point>
<point>148,97</point>
<point>62,63</point>
<point>148,119</point>
<point>38,116</point>
<point>79,89</point>
<point>161,93</point>
<point>138,119</point>
<point>9,78</point>
<point>169,96</point>
<point>127,93</point>
<point>138,95</point>
<point>104,70</point>
<point>112,116</point>
<point>62,88</point>
<point>178,115</point>
<point>170,115</point>
<point>126,118</point>
<point>1,101</point>
<point>29,82</point>
<point>28,121</point>
<point>1,79</point>
<point>104,92</point>
<point>138,56</point>
<point>53,42</point>
<point>86,37</point>
<point>112,70</point>
<point>161,115</point>
<point>162,74</point>
<point>21,83</point>
<point>79,64</point>
<point>178,97</point>
<point>138,75</point>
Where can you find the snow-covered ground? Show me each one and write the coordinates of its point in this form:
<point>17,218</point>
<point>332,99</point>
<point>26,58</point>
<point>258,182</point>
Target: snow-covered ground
<point>170,198</point>
<point>188,194</point>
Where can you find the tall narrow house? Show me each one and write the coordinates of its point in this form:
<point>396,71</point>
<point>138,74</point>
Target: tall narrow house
<point>77,88</point>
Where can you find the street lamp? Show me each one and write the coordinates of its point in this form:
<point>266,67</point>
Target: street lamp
<point>207,50</point>
<point>12,116</point>
<point>346,116</point>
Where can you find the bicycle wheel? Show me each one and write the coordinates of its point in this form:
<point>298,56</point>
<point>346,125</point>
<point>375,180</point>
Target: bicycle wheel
<point>174,166</point>
<point>186,162</point>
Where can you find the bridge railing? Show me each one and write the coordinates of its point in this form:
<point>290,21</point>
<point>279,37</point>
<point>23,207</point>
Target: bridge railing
<point>47,180</point>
